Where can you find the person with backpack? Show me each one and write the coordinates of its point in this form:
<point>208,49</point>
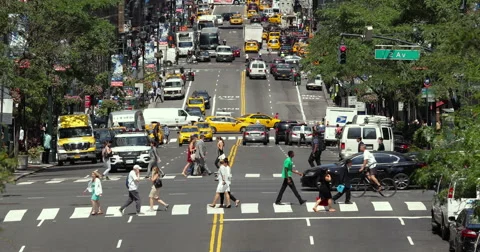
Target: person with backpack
<point>155,191</point>
<point>132,182</point>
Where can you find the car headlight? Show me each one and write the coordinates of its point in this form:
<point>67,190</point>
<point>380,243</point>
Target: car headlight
<point>145,152</point>
<point>310,174</point>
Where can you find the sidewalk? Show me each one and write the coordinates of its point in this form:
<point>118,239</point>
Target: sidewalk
<point>32,169</point>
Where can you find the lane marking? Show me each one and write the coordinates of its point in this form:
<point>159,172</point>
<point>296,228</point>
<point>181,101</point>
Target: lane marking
<point>348,207</point>
<point>130,219</point>
<point>216,210</point>
<point>14,215</point>
<point>247,208</point>
<point>331,218</point>
<point>308,222</point>
<point>311,240</point>
<point>22,248</point>
<point>48,214</point>
<point>382,206</point>
<point>81,213</point>
<point>286,208</point>
<point>252,175</point>
<point>401,221</point>
<point>242,93</point>
<point>25,183</point>
<point>213,104</point>
<point>410,240</point>
<point>213,233</point>
<point>186,94</point>
<point>119,243</point>
<point>86,176</point>
<point>181,209</point>
<point>416,206</point>
<point>177,194</point>
<point>113,211</point>
<point>220,234</point>
<point>36,198</point>
<point>41,222</point>
<point>300,103</point>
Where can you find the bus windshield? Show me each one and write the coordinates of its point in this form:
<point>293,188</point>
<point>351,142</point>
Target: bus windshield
<point>203,24</point>
<point>185,44</point>
<point>209,40</point>
<point>75,132</point>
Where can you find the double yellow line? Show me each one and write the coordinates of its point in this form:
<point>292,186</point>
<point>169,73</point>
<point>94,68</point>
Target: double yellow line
<point>243,106</point>
<point>218,218</point>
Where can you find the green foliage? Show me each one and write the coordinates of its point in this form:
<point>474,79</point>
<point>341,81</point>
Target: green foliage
<point>7,167</point>
<point>35,152</point>
<point>108,105</point>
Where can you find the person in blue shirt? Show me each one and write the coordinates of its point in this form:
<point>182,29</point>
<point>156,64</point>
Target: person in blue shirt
<point>166,133</point>
<point>47,142</point>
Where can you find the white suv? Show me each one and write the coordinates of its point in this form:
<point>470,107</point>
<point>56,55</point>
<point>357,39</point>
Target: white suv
<point>224,53</point>
<point>257,69</point>
<point>129,149</point>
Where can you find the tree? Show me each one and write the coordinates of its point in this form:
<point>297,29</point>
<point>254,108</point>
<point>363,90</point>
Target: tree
<point>7,167</point>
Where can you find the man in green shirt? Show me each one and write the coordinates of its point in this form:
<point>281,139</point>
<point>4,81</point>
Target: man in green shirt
<point>287,179</point>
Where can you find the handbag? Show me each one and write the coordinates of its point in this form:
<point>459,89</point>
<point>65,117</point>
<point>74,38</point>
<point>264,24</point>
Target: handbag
<point>340,188</point>
<point>158,183</point>
<point>192,156</point>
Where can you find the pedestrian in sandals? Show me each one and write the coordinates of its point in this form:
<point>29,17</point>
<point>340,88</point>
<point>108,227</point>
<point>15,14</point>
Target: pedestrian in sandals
<point>95,188</point>
<point>222,187</point>
<point>324,194</point>
<point>155,191</point>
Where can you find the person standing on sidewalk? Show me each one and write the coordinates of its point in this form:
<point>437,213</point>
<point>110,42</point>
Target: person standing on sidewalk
<point>133,180</point>
<point>166,133</point>
<point>155,191</point>
<point>287,179</point>
<point>47,143</point>
<point>106,154</point>
<point>95,188</point>
<point>345,181</point>
<point>154,158</point>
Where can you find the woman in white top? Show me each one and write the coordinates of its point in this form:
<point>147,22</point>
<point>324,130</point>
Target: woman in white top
<point>95,188</point>
<point>222,187</point>
<point>229,183</point>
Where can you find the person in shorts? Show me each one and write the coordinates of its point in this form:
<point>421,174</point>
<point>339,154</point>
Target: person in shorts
<point>370,164</point>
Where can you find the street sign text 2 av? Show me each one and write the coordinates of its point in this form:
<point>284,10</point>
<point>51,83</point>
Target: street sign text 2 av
<point>391,54</point>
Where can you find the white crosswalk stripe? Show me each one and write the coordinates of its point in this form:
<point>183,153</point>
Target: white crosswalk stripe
<point>26,183</point>
<point>18,215</point>
<point>82,180</point>
<point>54,181</point>
<point>252,175</point>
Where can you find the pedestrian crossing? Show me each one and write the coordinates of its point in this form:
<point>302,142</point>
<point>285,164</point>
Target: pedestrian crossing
<point>19,215</point>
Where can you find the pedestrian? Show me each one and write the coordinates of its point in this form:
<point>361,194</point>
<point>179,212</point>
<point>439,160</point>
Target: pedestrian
<point>222,186</point>
<point>154,158</point>
<point>344,183</point>
<point>159,94</point>
<point>190,161</point>
<point>276,116</point>
<point>317,148</point>
<point>228,170</point>
<point>302,135</point>
<point>95,188</point>
<point>155,191</point>
<point>220,152</point>
<point>381,146</point>
<point>133,180</point>
<point>287,179</point>
<point>47,143</point>
<point>166,133</point>
<point>324,194</point>
<point>200,156</point>
<point>360,143</point>
<point>106,155</point>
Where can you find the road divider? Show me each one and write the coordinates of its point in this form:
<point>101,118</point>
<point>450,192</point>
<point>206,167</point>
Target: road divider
<point>243,106</point>
<point>216,237</point>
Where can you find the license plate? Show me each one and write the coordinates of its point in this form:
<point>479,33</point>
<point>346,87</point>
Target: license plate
<point>129,162</point>
<point>76,156</point>
<point>369,147</point>
<point>283,75</point>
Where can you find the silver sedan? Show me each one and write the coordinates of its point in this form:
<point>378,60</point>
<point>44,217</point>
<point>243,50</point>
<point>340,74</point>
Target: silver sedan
<point>255,133</point>
<point>297,132</point>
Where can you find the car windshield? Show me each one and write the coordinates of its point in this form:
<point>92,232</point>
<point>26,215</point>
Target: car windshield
<point>224,49</point>
<point>140,140</point>
<point>192,129</point>
<point>102,135</point>
<point>245,116</point>
<point>75,132</point>
<point>203,125</point>
<point>255,128</point>
<point>283,66</point>
<point>195,101</point>
<point>170,84</point>
<point>273,41</point>
<point>252,44</point>
<point>185,44</point>
<point>195,113</point>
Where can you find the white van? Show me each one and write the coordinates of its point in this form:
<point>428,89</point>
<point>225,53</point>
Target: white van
<point>172,117</point>
<point>131,119</point>
<point>257,69</point>
<point>369,134</point>
<point>446,205</point>
<point>334,116</point>
<point>363,119</point>
<point>271,11</point>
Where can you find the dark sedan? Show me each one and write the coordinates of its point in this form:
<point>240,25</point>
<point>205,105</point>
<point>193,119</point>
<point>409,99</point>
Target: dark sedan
<point>390,164</point>
<point>464,231</point>
<point>203,56</point>
<point>275,62</point>
<point>282,71</point>
<point>400,144</point>
<point>256,20</point>
<point>282,131</point>
<point>236,51</point>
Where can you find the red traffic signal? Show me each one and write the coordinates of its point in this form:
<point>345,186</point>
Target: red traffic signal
<point>343,48</point>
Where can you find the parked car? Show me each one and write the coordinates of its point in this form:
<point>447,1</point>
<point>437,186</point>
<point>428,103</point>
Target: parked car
<point>464,231</point>
<point>256,133</point>
<point>282,131</point>
<point>389,164</point>
<point>400,144</point>
<point>316,83</point>
<point>295,134</point>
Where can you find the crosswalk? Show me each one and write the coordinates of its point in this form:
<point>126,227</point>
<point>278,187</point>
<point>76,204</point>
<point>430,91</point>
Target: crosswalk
<point>18,215</point>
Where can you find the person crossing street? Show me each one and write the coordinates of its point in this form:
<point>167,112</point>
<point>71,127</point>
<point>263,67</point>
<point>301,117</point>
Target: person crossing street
<point>288,181</point>
<point>166,133</point>
<point>345,182</point>
<point>317,147</point>
<point>133,180</point>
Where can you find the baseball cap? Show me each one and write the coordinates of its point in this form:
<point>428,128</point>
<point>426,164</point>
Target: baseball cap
<point>137,167</point>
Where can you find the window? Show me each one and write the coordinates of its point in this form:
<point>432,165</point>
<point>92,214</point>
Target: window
<point>369,133</point>
<point>215,119</point>
<point>354,133</point>
<point>182,113</point>
<point>255,117</point>
<point>357,160</point>
<point>383,158</point>
<point>131,141</point>
<point>386,134</point>
<point>75,132</point>
<point>195,101</point>
<point>231,120</point>
<point>265,117</point>
<point>193,129</point>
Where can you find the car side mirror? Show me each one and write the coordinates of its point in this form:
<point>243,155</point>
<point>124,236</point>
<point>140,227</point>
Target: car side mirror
<point>451,218</point>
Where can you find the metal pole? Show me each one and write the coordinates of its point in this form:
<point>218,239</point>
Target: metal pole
<point>426,102</point>
<point>1,105</point>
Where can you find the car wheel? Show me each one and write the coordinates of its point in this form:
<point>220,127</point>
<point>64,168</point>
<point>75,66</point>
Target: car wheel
<point>214,130</point>
<point>402,180</point>
<point>242,129</point>
<point>265,143</point>
<point>94,161</point>
<point>179,144</point>
<point>434,225</point>
<point>244,143</point>
<point>60,163</point>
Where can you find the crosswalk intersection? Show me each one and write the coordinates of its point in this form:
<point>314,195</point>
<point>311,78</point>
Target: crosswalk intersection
<point>18,215</point>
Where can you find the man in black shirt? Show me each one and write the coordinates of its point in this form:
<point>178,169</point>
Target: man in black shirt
<point>381,147</point>
<point>359,141</point>
<point>344,180</point>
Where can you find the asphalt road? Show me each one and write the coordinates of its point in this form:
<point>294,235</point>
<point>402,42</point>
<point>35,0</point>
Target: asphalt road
<point>48,211</point>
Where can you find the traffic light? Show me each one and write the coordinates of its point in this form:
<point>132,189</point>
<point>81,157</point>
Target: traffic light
<point>342,54</point>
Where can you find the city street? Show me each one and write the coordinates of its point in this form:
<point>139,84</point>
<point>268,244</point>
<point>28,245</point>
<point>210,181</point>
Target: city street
<point>47,211</point>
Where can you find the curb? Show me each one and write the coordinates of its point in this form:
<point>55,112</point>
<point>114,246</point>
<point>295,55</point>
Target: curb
<point>31,172</point>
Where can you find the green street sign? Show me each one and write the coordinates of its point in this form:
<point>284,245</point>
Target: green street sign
<point>391,54</point>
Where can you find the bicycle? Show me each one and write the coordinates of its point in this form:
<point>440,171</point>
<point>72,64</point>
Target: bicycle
<point>359,186</point>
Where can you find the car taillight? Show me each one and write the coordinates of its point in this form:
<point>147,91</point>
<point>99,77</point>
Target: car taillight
<point>250,70</point>
<point>467,233</point>
<point>262,134</point>
<point>293,134</point>
<point>246,134</point>
<point>342,146</point>
<point>403,146</point>
<point>309,134</point>
<point>450,193</point>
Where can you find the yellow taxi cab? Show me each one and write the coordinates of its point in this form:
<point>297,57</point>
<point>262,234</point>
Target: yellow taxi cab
<point>226,124</point>
<point>275,19</point>
<point>263,6</point>
<point>273,35</point>
<point>273,44</point>
<point>251,13</point>
<point>264,35</point>
<point>263,119</point>
<point>236,19</point>
<point>185,133</point>
<point>205,129</point>
<point>251,46</point>
<point>151,128</point>
<point>198,102</point>
<point>295,47</point>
